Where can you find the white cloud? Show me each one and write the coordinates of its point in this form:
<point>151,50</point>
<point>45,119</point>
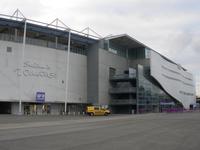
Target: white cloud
<point>29,7</point>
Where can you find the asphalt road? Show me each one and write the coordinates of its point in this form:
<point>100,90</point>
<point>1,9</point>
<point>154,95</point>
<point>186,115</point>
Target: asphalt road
<point>134,132</point>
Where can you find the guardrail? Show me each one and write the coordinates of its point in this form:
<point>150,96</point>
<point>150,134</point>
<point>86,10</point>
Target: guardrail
<point>122,77</point>
<point>39,42</point>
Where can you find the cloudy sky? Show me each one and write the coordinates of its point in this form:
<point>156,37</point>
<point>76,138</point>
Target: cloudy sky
<point>171,27</point>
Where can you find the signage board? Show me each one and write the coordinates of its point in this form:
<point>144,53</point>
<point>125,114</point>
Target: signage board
<point>40,97</point>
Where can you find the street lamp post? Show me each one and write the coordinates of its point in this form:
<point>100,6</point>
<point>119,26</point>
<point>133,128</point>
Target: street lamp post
<point>67,72</point>
<point>22,68</point>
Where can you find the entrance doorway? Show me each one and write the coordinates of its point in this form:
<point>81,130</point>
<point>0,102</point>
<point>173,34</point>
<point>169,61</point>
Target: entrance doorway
<point>5,107</point>
<point>37,109</point>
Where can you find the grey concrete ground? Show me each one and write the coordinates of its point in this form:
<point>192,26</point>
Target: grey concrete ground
<point>118,132</point>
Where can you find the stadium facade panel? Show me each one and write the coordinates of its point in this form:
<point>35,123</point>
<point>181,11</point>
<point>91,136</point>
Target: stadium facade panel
<point>50,70</point>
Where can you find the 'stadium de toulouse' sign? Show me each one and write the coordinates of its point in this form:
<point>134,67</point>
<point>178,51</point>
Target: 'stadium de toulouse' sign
<point>32,69</point>
<point>40,97</point>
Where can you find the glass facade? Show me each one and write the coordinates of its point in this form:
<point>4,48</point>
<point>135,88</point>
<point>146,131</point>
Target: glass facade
<point>74,48</point>
<point>136,53</point>
<point>114,48</point>
<point>131,53</point>
<point>147,53</point>
<point>149,95</point>
<point>117,49</point>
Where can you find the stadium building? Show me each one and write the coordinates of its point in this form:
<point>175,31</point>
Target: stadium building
<point>48,69</point>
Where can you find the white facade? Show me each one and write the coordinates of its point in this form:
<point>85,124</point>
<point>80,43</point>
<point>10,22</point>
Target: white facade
<point>44,71</point>
<point>176,82</point>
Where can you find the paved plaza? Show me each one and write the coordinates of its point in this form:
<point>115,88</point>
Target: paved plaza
<point>176,131</point>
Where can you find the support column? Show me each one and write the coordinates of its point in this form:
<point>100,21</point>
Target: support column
<point>22,70</point>
<point>137,89</point>
<point>108,45</point>
<point>67,72</point>
<point>15,35</point>
<point>127,58</point>
<point>56,42</point>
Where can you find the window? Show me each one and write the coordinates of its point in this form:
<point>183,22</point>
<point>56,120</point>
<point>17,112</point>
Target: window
<point>9,49</point>
<point>96,108</point>
<point>147,53</point>
<point>112,72</point>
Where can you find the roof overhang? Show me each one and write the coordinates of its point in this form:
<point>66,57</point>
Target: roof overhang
<point>129,42</point>
<point>126,41</point>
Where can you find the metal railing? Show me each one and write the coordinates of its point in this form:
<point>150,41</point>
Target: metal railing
<point>123,77</point>
<point>39,42</point>
<point>21,19</point>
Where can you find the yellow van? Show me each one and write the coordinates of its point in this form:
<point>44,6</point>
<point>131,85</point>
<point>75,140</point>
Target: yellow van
<point>97,111</point>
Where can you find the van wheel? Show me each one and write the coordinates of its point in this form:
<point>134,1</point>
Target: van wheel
<point>91,114</point>
<point>106,114</point>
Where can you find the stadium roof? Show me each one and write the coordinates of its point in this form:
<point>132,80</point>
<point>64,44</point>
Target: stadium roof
<point>123,39</point>
<point>75,35</point>
<point>126,40</point>
<point>129,42</point>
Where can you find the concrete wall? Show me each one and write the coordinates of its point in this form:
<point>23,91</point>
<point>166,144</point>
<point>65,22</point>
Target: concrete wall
<point>93,70</point>
<point>106,60</point>
<point>44,71</point>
